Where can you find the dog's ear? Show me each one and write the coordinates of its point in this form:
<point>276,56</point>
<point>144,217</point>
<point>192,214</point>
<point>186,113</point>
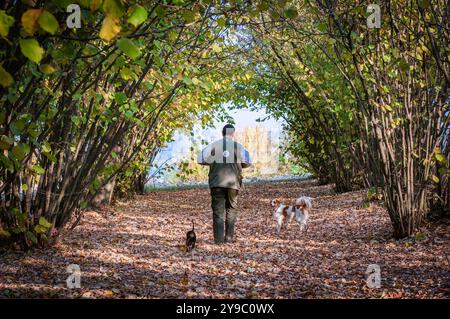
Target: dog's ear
<point>274,202</point>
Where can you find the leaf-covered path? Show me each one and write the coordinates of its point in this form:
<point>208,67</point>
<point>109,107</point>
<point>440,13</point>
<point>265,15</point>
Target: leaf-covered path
<point>133,251</point>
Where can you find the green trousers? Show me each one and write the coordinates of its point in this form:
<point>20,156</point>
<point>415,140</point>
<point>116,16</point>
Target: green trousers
<point>224,206</point>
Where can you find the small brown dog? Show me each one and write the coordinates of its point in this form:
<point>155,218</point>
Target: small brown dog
<point>191,238</point>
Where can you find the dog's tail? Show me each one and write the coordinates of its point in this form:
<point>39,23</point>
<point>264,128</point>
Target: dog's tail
<point>192,225</point>
<point>304,201</point>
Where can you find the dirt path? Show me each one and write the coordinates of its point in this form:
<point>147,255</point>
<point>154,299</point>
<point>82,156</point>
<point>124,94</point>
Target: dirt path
<point>132,251</point>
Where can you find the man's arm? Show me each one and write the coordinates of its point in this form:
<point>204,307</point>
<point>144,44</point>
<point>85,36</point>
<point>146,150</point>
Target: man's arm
<point>246,159</point>
<point>204,158</point>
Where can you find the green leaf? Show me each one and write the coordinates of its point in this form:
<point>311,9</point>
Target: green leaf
<point>388,107</point>
<point>33,130</point>
<point>322,27</point>
<point>43,238</point>
<point>221,22</point>
<point>48,22</point>
<point>424,3</point>
<point>43,222</point>
<point>120,97</point>
<point>31,237</point>
<point>113,7</point>
<point>38,169</point>
<point>440,158</point>
<point>46,69</point>
<point>6,142</point>
<point>403,65</point>
<point>76,120</point>
<point>20,151</point>
<point>17,230</point>
<point>31,49</point>
<point>372,191</point>
<point>6,22</point>
<point>172,35</point>
<point>216,48</point>
<point>188,16</point>
<point>83,204</point>
<point>138,15</point>
<point>129,48</point>
<point>263,6</point>
<point>126,74</point>
<point>5,78</point>
<point>160,11</point>
<point>7,163</point>
<point>419,235</point>
<point>17,127</point>
<point>291,13</point>
<point>39,229</point>
<point>187,80</point>
<point>50,156</point>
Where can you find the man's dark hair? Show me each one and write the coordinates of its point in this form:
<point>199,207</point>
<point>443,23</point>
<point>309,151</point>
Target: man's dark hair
<point>228,129</point>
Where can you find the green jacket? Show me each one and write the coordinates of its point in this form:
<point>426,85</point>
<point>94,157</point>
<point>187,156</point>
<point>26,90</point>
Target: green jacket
<point>226,159</point>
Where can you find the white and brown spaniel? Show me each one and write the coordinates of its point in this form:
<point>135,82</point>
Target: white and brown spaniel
<point>284,214</point>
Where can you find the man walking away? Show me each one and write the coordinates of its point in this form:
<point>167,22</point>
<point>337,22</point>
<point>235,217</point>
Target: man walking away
<point>226,159</point>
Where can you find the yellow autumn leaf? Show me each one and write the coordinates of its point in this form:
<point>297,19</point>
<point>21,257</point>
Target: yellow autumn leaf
<point>161,281</point>
<point>110,28</point>
<point>95,5</point>
<point>185,279</point>
<point>46,68</point>
<point>6,22</point>
<point>5,78</point>
<point>30,20</point>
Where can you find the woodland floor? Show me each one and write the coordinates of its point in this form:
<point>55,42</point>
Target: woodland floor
<point>132,250</point>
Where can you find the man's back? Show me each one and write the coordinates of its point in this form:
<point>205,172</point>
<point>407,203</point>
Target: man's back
<point>225,158</point>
